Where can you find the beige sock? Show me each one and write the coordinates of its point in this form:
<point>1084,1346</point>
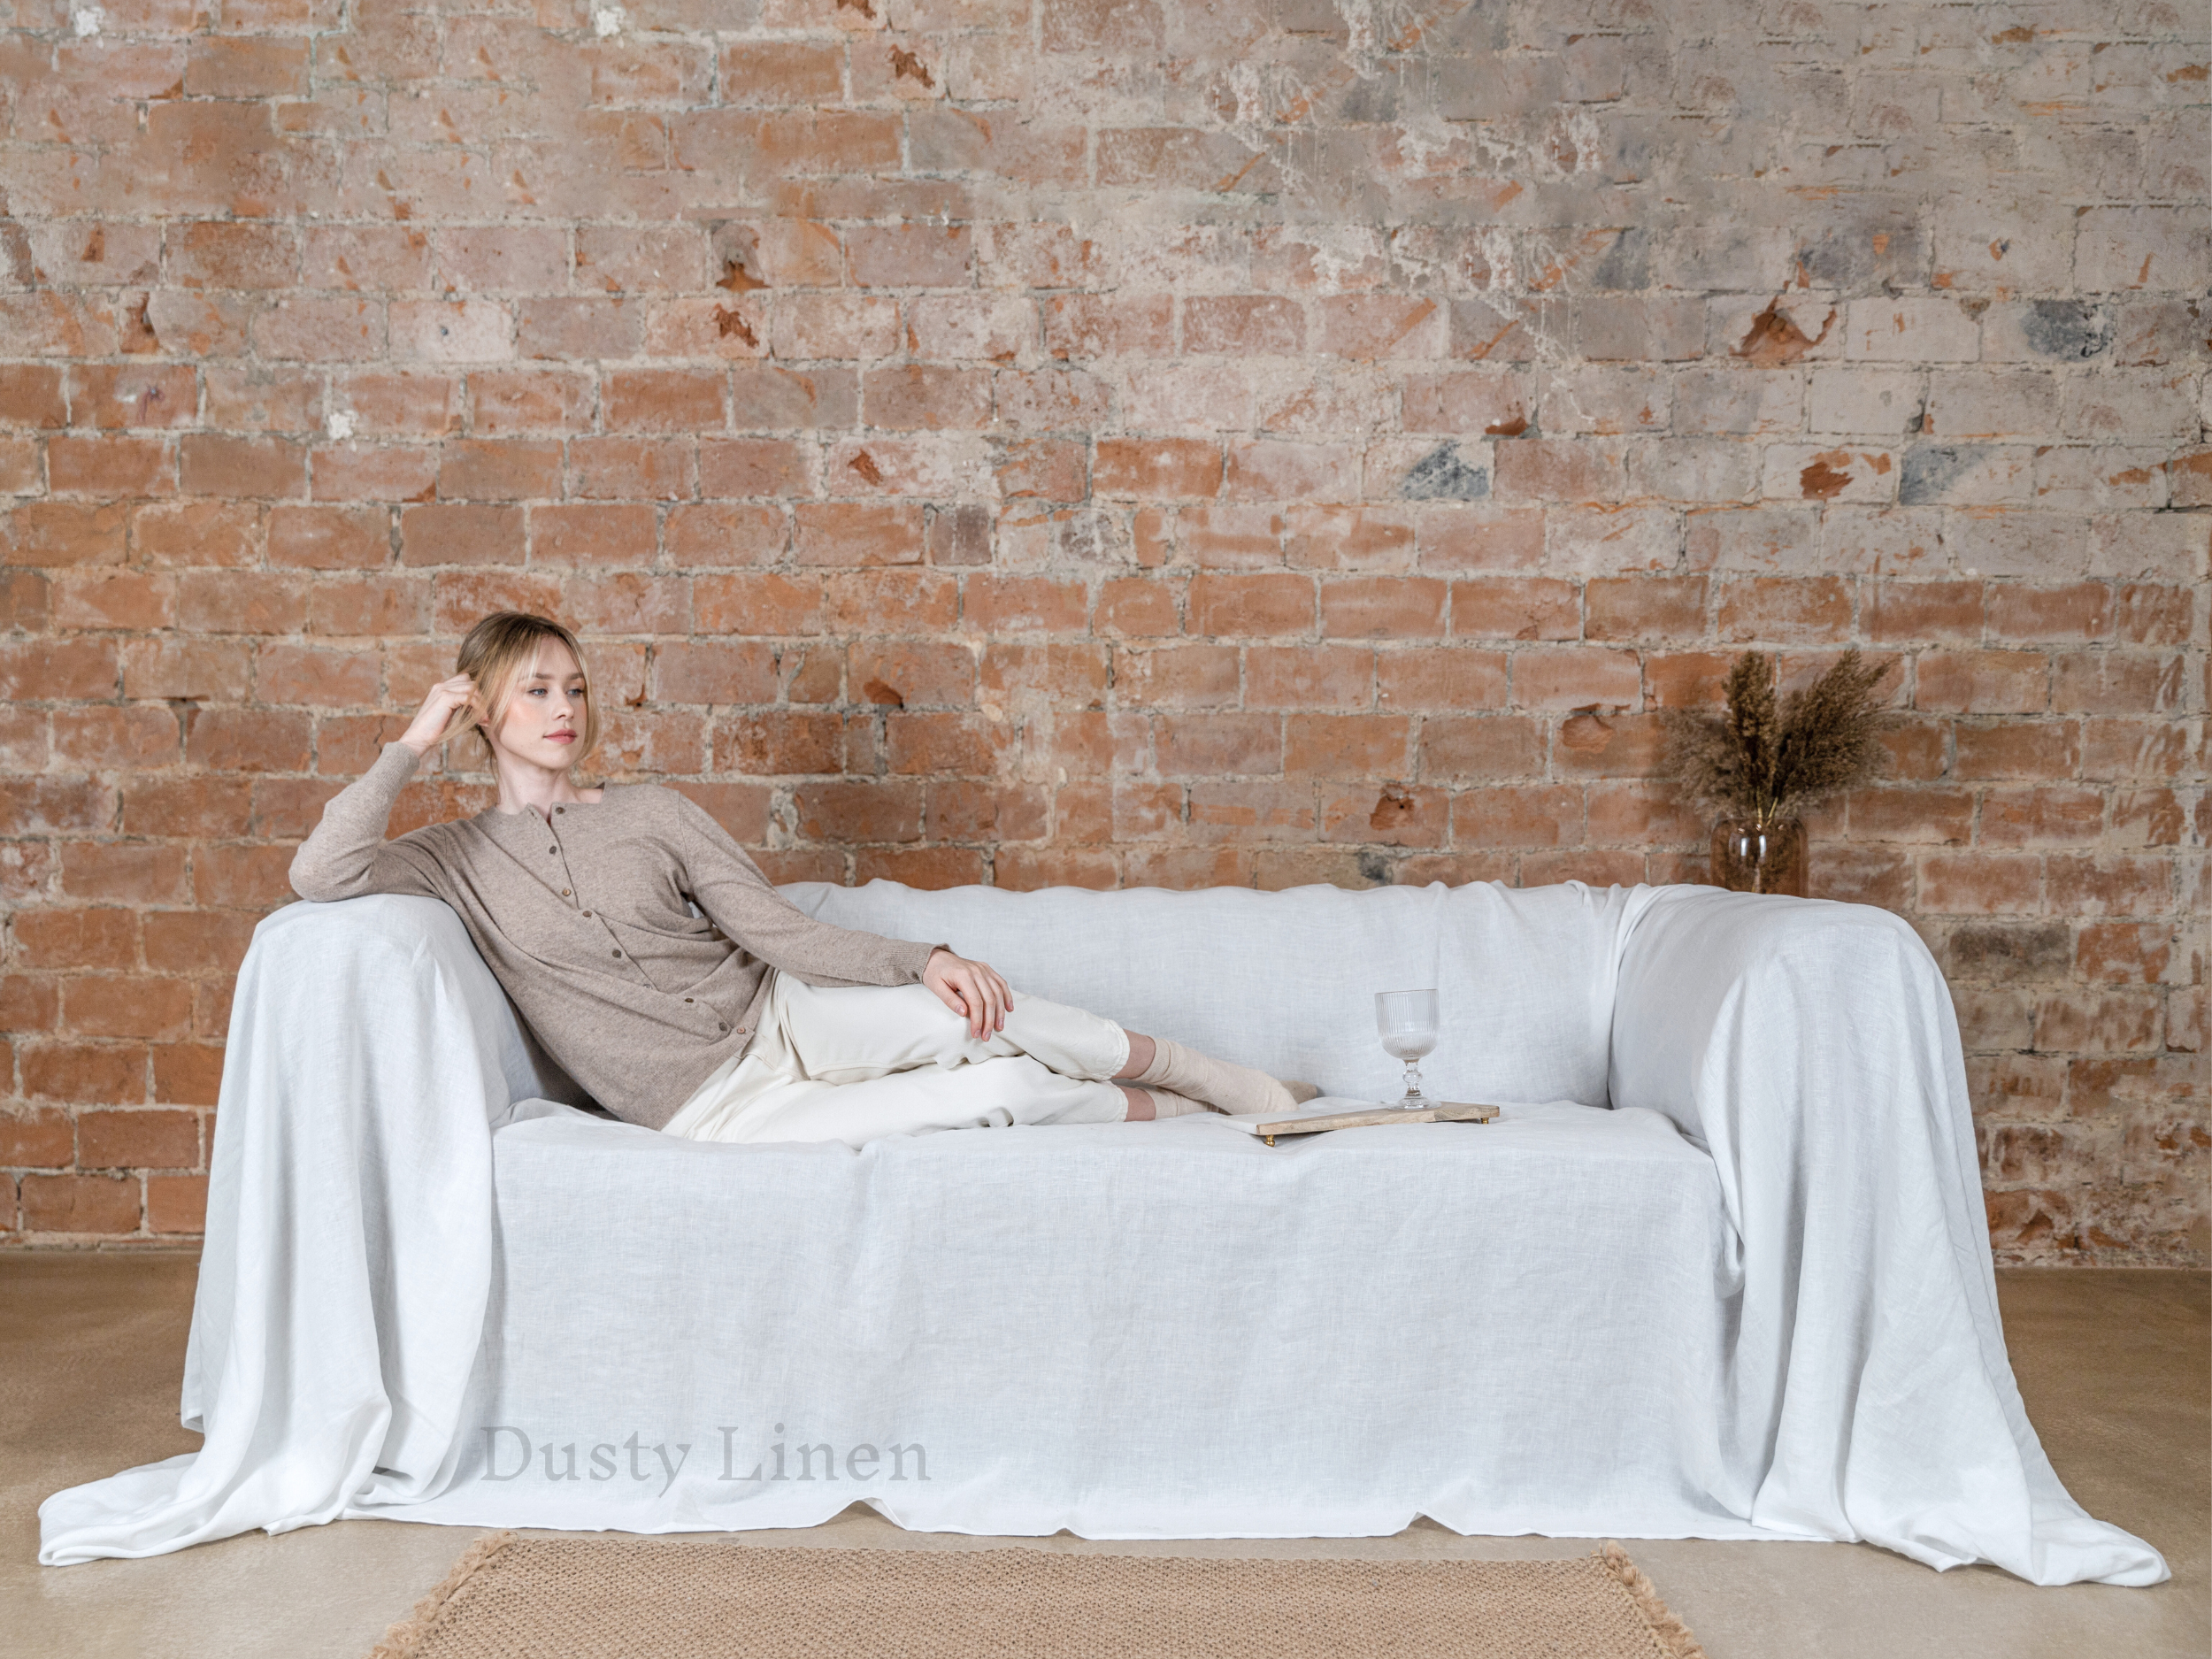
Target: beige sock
<point>1166,1103</point>
<point>1234,1089</point>
<point>1302,1092</point>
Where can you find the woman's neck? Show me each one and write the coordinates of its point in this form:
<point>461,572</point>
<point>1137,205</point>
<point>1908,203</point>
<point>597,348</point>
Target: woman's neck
<point>526,787</point>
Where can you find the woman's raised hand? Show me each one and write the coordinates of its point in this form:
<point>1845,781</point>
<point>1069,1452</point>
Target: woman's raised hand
<point>973,989</point>
<point>435,720</point>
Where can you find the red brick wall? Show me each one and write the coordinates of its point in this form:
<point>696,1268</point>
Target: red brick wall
<point>1102,441</point>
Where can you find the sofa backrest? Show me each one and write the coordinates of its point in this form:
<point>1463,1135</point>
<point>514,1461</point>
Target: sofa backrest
<point>1286,980</point>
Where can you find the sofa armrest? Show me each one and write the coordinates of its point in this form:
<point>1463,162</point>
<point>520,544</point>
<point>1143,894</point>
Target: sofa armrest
<point>1812,1049</point>
<point>1701,967</point>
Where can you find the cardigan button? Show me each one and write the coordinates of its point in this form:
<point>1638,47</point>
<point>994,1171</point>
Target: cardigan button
<point>560,809</point>
<point>564,892</point>
<point>617,953</point>
<point>721,1025</point>
<point>686,999</point>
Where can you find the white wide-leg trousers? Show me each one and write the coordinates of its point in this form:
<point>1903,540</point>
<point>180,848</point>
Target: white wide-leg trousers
<point>853,1063</point>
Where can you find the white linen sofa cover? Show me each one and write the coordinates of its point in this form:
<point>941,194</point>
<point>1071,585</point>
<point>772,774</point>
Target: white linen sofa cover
<point>1720,1271</point>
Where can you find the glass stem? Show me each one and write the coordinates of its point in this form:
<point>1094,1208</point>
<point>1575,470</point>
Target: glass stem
<point>1413,1080</point>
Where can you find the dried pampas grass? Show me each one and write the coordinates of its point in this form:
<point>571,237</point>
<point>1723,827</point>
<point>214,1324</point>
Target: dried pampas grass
<point>1766,759</point>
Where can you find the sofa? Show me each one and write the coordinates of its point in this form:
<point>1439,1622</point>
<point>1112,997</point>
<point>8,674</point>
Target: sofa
<point>1718,1270</point>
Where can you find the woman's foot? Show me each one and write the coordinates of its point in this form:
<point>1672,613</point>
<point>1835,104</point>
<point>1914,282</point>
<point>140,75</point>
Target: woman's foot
<point>1237,1090</point>
<point>1147,1104</point>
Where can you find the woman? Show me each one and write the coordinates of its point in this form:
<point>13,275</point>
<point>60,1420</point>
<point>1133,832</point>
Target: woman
<point>753,1021</point>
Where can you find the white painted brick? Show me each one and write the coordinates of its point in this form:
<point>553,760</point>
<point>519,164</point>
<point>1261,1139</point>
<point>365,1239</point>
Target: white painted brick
<point>1881,402</point>
<point>2165,249</point>
<point>1804,471</point>
<point>1611,541</point>
<point>2174,547</point>
<point>1606,401</point>
<point>2127,403</point>
<point>1883,540</point>
<point>1906,330</point>
<point>2084,477</point>
<point>1967,404</point>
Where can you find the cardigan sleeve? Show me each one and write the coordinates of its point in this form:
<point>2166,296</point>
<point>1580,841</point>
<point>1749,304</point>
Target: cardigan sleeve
<point>347,855</point>
<point>740,901</point>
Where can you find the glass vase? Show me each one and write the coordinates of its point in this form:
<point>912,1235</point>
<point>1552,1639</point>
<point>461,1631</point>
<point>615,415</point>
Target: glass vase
<point>1749,856</point>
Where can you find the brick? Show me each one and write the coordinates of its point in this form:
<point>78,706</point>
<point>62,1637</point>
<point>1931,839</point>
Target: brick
<point>125,1005</point>
<point>203,669</point>
<point>1982,683</point>
<point>142,1139</point>
<point>1347,745</point>
<point>1382,326</point>
<point>1446,678</point>
<point>1243,325</point>
<point>1481,746</point>
<point>2045,815</point>
<point>1576,677</point>
<point>80,1203</point>
<point>176,1203</point>
<point>55,533</point>
<point>1923,611</point>
<point>44,670</point>
<point>113,599</point>
<point>31,397</point>
<point>141,872</point>
<point>2127,953</point>
<point>1544,816</point>
<point>253,875</point>
<point>2082,610</point>
<point>1980,884</point>
<point>212,464</point>
<point>740,673</point>
<point>858,812</point>
<point>1156,468</point>
<point>751,467</point>
<point>1631,608</point>
<point>1307,677</point>
<point>2018,750</point>
<point>1453,538</point>
<point>837,534</point>
<point>1389,815</point>
<point>1179,677</point>
<point>250,739</point>
<point>1784,608</point>
<point>998,604</point>
<point>1258,606</point>
<point>912,255</point>
<point>1347,538</point>
<point>240,601</point>
<point>93,938</point>
<point>433,535</point>
<point>1383,608</point>
<point>1267,469</point>
<point>498,468</point>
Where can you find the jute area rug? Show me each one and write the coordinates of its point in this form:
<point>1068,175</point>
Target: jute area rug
<point>510,1598</point>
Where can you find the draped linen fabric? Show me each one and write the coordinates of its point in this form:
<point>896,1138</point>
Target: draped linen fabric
<point>1719,1270</point>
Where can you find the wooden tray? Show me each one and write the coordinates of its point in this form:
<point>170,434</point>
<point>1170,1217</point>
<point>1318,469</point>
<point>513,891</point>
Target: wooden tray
<point>1446,1112</point>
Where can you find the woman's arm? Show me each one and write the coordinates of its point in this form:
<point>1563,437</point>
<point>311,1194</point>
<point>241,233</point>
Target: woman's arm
<point>348,855</point>
<point>740,901</point>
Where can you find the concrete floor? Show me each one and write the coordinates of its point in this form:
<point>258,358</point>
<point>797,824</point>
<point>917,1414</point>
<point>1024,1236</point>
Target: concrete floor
<point>2116,1369</point>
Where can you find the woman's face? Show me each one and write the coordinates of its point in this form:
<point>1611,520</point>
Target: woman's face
<point>543,722</point>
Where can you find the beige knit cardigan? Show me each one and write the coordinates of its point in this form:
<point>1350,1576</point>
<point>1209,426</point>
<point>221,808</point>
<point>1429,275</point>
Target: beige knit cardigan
<point>584,914</point>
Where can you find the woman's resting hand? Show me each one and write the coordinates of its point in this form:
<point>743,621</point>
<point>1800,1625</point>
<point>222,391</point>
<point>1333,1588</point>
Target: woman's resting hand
<point>971,988</point>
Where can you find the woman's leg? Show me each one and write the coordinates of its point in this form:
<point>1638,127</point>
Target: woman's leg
<point>1012,1089</point>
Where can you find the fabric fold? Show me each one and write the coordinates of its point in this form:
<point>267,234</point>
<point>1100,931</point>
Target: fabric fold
<point>348,1257</point>
<point>1812,1048</point>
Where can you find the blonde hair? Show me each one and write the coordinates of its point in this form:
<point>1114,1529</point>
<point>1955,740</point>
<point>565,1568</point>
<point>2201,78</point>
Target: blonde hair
<point>500,649</point>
